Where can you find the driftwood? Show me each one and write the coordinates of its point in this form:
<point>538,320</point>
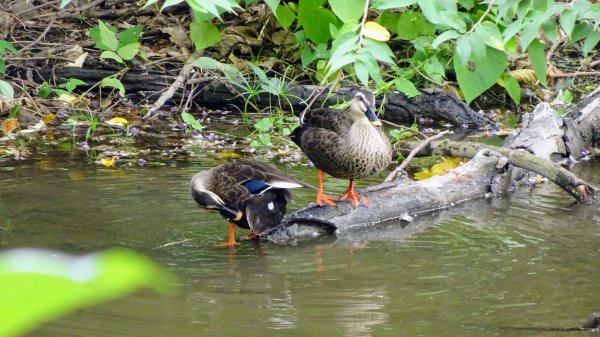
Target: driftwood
<point>535,149</point>
<point>214,92</point>
<point>488,173</point>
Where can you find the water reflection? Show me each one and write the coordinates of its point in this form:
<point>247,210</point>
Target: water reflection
<point>529,259</point>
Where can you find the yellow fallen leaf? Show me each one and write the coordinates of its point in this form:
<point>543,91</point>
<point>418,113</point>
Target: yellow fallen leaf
<point>425,174</point>
<point>118,120</point>
<point>48,118</point>
<point>68,98</point>
<point>228,154</point>
<point>376,31</point>
<point>108,162</point>
<point>9,125</point>
<point>439,168</point>
<point>524,75</point>
<point>446,165</point>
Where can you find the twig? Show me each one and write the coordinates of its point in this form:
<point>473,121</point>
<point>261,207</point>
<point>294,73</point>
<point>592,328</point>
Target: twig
<point>577,73</point>
<point>395,173</point>
<point>184,74</point>
<point>49,3</point>
<point>487,11</point>
<point>362,24</point>
<point>398,126</point>
<point>39,38</point>
<point>312,98</point>
<point>61,15</point>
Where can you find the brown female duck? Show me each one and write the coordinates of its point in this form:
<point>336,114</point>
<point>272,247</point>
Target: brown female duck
<point>248,193</point>
<point>345,144</point>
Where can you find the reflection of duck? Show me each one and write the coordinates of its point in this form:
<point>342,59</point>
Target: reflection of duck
<point>345,144</point>
<point>246,192</point>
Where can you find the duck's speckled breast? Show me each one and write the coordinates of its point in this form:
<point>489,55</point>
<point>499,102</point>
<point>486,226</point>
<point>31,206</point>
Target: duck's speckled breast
<point>367,151</point>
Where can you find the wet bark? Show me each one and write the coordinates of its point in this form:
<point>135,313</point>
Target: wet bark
<point>214,92</point>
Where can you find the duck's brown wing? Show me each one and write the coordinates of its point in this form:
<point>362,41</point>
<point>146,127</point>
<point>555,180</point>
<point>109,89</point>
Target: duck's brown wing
<point>338,121</point>
<point>321,137</point>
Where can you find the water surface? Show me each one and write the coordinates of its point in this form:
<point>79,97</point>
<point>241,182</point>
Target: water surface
<point>490,267</point>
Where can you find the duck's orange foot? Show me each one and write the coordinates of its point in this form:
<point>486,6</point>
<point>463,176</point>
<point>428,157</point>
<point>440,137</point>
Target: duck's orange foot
<point>355,198</point>
<point>227,244</point>
<point>251,236</point>
<point>231,241</point>
<point>323,199</point>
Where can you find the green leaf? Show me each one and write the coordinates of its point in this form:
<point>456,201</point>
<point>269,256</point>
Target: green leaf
<point>190,120</point>
<point>2,67</point>
<point>204,62</point>
<point>37,285</point>
<point>379,50</point>
<point>130,35</point>
<point>109,54</point>
<point>285,16</point>
<point>387,4</point>
<point>412,25</point>
<point>445,36</point>
<point>463,48</point>
<point>318,30</point>
<point>45,90</point>
<point>567,21</point>
<point>478,46</point>
<point>431,10</point>
<point>490,34</point>
<point>204,34</point>
<point>453,20</point>
<point>273,4</point>
<point>107,36</point>
<point>512,87</point>
<point>348,10</point>
<point>362,72</point>
<point>71,84</point>
<point>63,3</point>
<point>7,91</point>
<point>537,57</point>
<point>315,20</point>
<point>511,30</point>
<point>264,138</point>
<point>406,87</point>
<point>389,21</point>
<point>129,51</point>
<point>214,7</point>
<point>480,74</point>
<point>169,3</point>
<point>263,124</point>
<point>590,42</point>
<point>113,83</point>
<point>4,45</point>
<point>434,69</point>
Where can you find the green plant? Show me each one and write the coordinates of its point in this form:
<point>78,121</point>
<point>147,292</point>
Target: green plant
<point>37,285</point>
<point>122,47</point>
<point>6,89</point>
<point>191,121</point>
<point>67,87</point>
<point>472,40</point>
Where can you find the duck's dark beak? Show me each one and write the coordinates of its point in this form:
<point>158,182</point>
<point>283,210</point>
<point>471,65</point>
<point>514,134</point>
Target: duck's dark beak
<point>231,214</point>
<point>372,117</point>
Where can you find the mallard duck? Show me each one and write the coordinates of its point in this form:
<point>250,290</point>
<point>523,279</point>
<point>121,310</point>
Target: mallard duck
<point>347,144</point>
<point>248,193</point>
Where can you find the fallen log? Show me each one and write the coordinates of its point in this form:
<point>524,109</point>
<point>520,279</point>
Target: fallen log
<point>487,174</point>
<point>215,92</point>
